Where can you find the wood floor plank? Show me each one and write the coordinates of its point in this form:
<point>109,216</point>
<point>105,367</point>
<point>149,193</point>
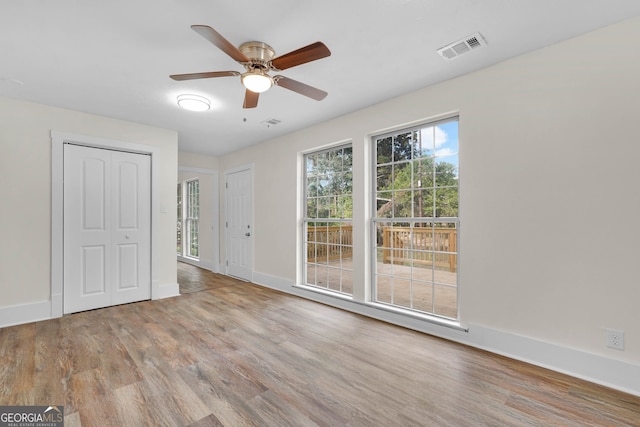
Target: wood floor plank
<point>90,396</point>
<point>234,354</point>
<point>597,396</point>
<point>17,370</point>
<point>165,391</point>
<point>193,279</point>
<point>51,373</point>
<point>24,357</point>
<point>228,406</point>
<point>277,410</point>
<point>132,407</point>
<point>82,333</point>
<point>72,420</point>
<point>208,421</point>
<point>359,387</point>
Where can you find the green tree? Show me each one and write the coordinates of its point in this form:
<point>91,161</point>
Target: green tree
<point>421,187</point>
<point>329,184</point>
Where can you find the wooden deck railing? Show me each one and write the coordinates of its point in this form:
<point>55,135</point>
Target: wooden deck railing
<point>329,243</point>
<point>422,246</point>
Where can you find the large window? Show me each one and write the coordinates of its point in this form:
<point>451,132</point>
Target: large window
<point>415,218</point>
<point>192,217</point>
<point>188,218</point>
<point>328,220</point>
<point>179,224</point>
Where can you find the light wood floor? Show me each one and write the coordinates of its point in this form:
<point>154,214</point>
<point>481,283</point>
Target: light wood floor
<point>193,279</point>
<point>239,354</point>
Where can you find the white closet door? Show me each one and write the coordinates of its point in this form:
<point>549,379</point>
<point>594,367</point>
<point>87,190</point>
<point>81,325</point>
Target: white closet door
<point>131,236</point>
<point>107,231</point>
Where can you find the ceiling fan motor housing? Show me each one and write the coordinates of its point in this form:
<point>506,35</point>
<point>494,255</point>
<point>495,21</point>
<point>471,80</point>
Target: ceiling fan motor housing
<point>259,53</point>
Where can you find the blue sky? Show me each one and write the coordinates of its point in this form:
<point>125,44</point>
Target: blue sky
<point>444,139</point>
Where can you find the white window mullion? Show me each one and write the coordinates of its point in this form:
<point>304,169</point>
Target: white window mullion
<point>191,212</point>
<point>180,221</point>
<point>415,218</point>
<point>327,223</point>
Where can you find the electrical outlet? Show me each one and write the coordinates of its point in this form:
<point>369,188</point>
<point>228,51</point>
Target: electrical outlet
<point>615,339</point>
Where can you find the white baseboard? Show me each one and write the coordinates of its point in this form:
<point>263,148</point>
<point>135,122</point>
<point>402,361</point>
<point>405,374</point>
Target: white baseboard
<point>25,313</point>
<point>44,310</point>
<point>167,290</point>
<point>598,369</point>
<point>56,305</point>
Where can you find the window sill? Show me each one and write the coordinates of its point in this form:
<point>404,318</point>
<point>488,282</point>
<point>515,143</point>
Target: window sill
<point>372,309</point>
<point>442,321</point>
<point>327,292</point>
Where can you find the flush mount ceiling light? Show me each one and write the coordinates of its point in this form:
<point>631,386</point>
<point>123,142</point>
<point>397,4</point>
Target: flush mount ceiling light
<point>193,102</point>
<point>256,81</point>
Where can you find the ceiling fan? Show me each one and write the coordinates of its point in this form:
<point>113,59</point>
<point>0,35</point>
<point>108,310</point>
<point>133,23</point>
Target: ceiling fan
<point>258,59</point>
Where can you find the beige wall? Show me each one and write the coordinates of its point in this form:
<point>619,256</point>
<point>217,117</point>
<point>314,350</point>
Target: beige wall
<point>25,173</point>
<point>199,161</point>
<point>549,151</point>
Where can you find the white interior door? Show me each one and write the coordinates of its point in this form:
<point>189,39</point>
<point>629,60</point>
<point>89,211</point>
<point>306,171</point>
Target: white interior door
<point>239,221</point>
<point>107,228</point>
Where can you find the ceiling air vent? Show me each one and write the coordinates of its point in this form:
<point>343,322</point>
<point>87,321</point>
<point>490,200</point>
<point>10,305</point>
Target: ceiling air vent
<point>270,122</point>
<point>467,44</point>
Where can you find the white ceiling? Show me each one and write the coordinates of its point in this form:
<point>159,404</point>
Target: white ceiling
<point>114,58</point>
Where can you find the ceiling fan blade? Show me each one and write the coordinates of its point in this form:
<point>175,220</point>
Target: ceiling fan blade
<point>223,44</point>
<point>301,88</point>
<point>207,75</point>
<point>250,99</point>
<point>314,51</point>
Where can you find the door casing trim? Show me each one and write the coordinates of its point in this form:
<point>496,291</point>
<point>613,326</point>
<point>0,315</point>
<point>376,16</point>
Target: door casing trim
<point>58,139</point>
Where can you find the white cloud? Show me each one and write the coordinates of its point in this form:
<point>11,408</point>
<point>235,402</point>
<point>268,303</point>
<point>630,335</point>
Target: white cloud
<point>445,152</point>
<point>433,137</point>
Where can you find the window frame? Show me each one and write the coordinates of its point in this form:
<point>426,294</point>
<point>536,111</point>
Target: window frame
<point>192,221</point>
<point>341,246</point>
<point>410,221</point>
<point>180,223</point>
<point>187,222</point>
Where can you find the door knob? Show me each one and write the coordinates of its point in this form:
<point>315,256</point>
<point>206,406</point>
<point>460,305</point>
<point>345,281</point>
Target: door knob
<point>247,234</point>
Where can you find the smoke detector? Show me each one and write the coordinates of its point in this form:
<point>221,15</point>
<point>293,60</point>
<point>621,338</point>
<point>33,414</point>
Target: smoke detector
<point>467,44</point>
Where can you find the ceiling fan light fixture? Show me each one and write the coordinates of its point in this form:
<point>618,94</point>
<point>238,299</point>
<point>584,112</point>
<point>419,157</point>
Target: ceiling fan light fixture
<point>256,81</point>
<point>194,102</point>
